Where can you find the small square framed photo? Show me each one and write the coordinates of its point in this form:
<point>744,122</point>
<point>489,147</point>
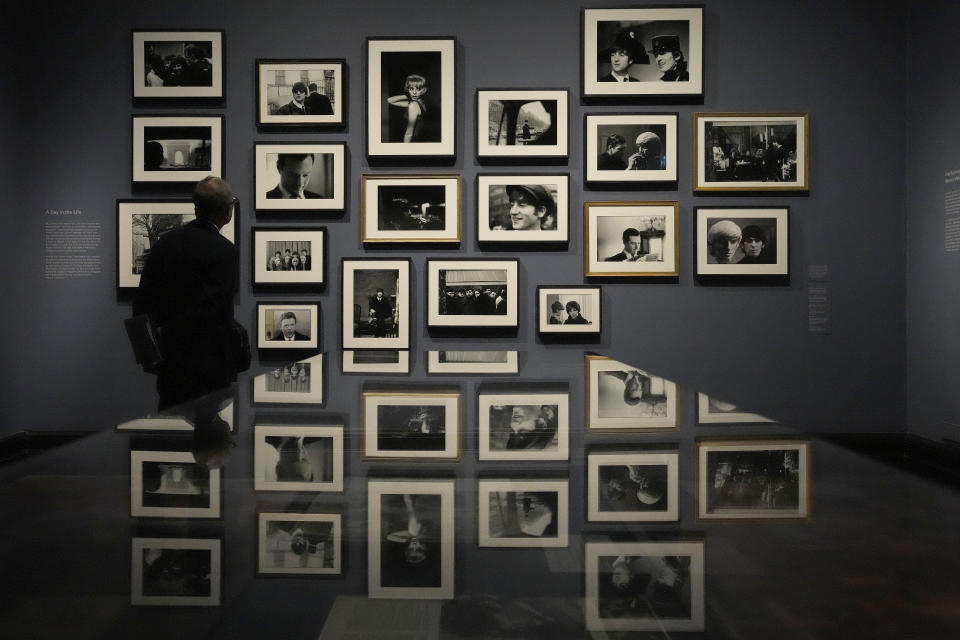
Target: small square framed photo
<point>301,92</point>
<point>523,513</point>
<point>299,177</point>
<point>523,208</point>
<point>420,425</point>
<point>568,309</point>
<point>410,539</point>
<point>170,484</point>
<point>299,544</point>
<point>289,256</point>
<point>375,361</point>
<point>177,148</point>
<point>459,362</point>
<point>295,383</point>
<point>666,578</point>
<point>194,561</point>
<point>410,208</point>
<point>760,151</point>
<point>288,326</point>
<point>411,97</point>
<point>375,309</point>
<point>623,398</point>
<point>630,239</point>
<point>523,426</point>
<point>742,241</point>
<point>295,457</point>
<point>178,64</point>
<point>522,123</point>
<point>488,288</point>
<point>630,148</point>
<point>712,410</point>
<point>639,53</point>
<point>633,486</point>
<point>753,479</point>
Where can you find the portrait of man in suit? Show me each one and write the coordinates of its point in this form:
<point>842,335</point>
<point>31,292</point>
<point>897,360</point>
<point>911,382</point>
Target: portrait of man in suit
<point>288,328</point>
<point>294,170</point>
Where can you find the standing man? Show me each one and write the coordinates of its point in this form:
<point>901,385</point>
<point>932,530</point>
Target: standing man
<point>294,170</point>
<point>317,103</point>
<point>625,51</point>
<point>670,61</point>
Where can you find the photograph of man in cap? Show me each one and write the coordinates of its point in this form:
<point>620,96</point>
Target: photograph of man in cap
<point>670,60</point>
<point>531,208</point>
<point>626,50</point>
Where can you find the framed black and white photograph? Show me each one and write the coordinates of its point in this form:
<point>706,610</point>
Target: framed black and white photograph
<point>639,53</point>
<point>633,486</point>
<point>523,426</point>
<point>742,241</point>
<point>410,539</point>
<point>301,92</point>
<point>644,586</point>
<point>296,457</point>
<point>288,326</point>
<point>410,208</point>
<point>295,383</point>
<point>175,572</point>
<point>289,256</point>
<point>630,239</point>
<point>760,151</point>
<point>162,422</point>
<point>623,398</point>
<point>183,149</point>
<point>411,97</point>
<point>171,484</point>
<point>140,224</point>
<point>568,309</point>
<point>420,425</point>
<point>459,362</point>
<point>523,513</point>
<point>753,479</point>
<point>299,177</point>
<point>375,361</point>
<point>375,309</point>
<point>711,410</point>
<point>627,148</point>
<point>178,64</point>
<point>299,544</point>
<point>522,123</point>
<point>472,293</point>
<point>523,208</point>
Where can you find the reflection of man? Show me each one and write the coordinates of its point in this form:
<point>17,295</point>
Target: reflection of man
<point>670,61</point>
<point>754,246</point>
<point>610,159</point>
<point>297,106</point>
<point>625,51</point>
<point>530,205</point>
<point>294,170</point>
<point>317,103</point>
<point>632,248</point>
<point>308,539</point>
<point>381,313</point>
<point>649,153</point>
<point>723,240</point>
<point>288,328</point>
<point>636,386</point>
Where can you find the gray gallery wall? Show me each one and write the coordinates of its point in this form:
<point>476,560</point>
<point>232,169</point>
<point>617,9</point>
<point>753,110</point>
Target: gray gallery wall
<point>66,363</point>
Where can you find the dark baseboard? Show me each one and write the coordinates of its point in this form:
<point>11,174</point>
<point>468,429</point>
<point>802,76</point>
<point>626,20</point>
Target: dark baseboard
<point>936,460</point>
<point>27,443</point>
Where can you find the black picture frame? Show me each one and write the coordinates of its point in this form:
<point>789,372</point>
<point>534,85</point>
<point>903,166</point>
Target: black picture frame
<point>336,92</point>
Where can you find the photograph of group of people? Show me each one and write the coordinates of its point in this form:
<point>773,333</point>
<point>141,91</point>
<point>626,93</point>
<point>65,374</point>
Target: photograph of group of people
<point>294,378</point>
<point>760,152</point>
<point>177,63</point>
<point>469,292</point>
<point>290,255</point>
<point>752,480</point>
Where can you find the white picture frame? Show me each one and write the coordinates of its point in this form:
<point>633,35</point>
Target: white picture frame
<point>296,383</point>
<point>321,456</point>
<point>633,486</point>
<point>532,434</point>
<point>535,525</point>
<point>321,547</point>
<point>324,172</point>
<point>271,319</point>
<point>542,212</point>
<point>622,398</point>
<point>496,275</point>
<point>415,416</point>
<point>180,149</point>
<point>547,138</point>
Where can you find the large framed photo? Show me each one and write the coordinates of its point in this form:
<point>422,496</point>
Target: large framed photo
<point>644,586</point>
<point>288,326</point>
<point>293,457</point>
<point>472,293</point>
<point>375,361</point>
<point>289,256</point>
<point>633,486</point>
<point>523,513</point>
<point>623,398</point>
<point>299,177</point>
<point>178,64</point>
<point>630,239</point>
<point>299,544</point>
<point>711,410</point>
<point>628,148</point>
<point>410,208</point>
<point>295,383</point>
<point>459,362</point>
<point>753,479</point>
<point>410,538</point>
<point>523,208</point>
<point>175,572</point>
<point>569,309</point>
<point>411,97</point>
<point>522,123</point>
<point>742,241</point>
<point>171,484</point>
<point>177,148</point>
<point>637,53</point>
<point>375,310</point>
<point>751,151</point>
<point>421,425</point>
<point>523,426</point>
<point>301,92</point>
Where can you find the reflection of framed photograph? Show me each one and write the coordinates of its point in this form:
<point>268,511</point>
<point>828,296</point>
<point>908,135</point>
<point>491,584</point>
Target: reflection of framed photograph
<point>300,544</point>
<point>288,326</point>
<point>631,239</point>
<point>297,383</point>
<point>715,411</point>
<point>297,458</point>
<point>642,52</point>
<point>475,362</point>
<point>743,241</point>
<point>523,426</point>
<point>633,486</point>
<point>375,312</point>
<point>414,425</point>
<point>751,151</point>
<point>666,577</point>
<point>299,177</point>
<point>140,223</point>
<point>522,123</point>
<point>410,538</point>
<point>170,484</point>
<point>631,147</point>
<point>568,309</point>
<point>178,64</point>
<point>411,97</point>
<point>623,398</point>
<point>289,256</point>
<point>523,513</point>
<point>410,208</point>
<point>375,361</point>
<point>472,293</point>
<point>175,572</point>
<point>301,92</point>
<point>167,422</point>
<point>523,208</point>
<point>753,479</point>
<point>177,148</point>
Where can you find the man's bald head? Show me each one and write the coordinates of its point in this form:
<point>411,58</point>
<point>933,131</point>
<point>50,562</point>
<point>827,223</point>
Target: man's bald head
<point>213,200</point>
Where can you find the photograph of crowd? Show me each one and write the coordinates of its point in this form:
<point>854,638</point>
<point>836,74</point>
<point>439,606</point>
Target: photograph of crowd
<point>299,543</point>
<point>473,292</point>
<point>758,152</point>
<point>747,480</point>
<point>178,63</point>
<point>522,513</point>
<point>298,458</point>
<point>175,572</point>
